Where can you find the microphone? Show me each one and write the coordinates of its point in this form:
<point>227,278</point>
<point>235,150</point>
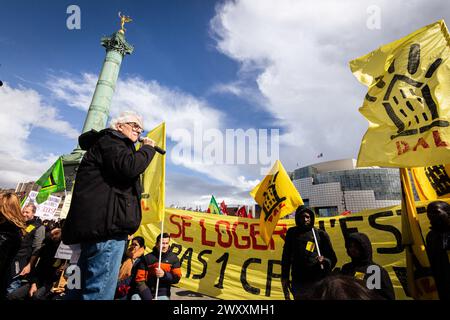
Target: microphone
<point>157,149</point>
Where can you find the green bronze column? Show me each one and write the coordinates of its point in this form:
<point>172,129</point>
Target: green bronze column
<point>116,48</point>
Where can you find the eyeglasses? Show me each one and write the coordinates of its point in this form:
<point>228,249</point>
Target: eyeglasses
<point>135,126</point>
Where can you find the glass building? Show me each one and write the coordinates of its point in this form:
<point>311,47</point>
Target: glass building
<point>333,187</point>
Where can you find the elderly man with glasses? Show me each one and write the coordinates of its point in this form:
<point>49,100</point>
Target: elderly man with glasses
<point>105,205</point>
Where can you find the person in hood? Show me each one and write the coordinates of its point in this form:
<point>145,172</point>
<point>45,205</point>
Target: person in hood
<point>149,270</point>
<point>300,258</point>
<point>105,205</point>
<point>362,267</point>
<point>438,246</point>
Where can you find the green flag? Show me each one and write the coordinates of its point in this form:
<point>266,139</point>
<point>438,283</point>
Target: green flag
<point>213,207</point>
<point>51,181</point>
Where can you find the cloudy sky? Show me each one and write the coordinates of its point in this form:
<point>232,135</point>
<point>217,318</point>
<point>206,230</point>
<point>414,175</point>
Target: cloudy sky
<point>203,67</point>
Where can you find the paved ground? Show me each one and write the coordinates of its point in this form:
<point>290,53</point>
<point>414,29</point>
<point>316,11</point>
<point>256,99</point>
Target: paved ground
<point>183,294</point>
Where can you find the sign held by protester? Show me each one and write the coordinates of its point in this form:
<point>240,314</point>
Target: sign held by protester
<point>46,210</point>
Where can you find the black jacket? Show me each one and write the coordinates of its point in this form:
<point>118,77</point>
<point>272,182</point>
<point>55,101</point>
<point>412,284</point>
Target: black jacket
<point>146,271</point>
<point>299,255</point>
<point>31,243</point>
<point>106,197</point>
<point>45,272</point>
<point>10,238</point>
<point>438,250</point>
<point>359,266</point>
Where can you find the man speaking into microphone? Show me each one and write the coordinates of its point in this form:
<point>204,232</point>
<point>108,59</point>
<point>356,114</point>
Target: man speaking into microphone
<point>105,205</point>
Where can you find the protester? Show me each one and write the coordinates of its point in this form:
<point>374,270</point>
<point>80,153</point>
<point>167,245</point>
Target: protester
<point>438,246</point>
<point>105,205</point>
<point>45,274</point>
<point>362,267</point>
<point>300,256</point>
<point>12,226</point>
<point>28,253</point>
<point>148,271</point>
<point>127,272</point>
<point>341,287</point>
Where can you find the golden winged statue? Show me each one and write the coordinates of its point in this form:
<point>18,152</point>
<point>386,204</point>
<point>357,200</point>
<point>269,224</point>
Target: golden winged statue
<point>123,20</point>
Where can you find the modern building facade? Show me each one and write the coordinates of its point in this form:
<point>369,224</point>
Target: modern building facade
<point>333,187</point>
<point>25,187</point>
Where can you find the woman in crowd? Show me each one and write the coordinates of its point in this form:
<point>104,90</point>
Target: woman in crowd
<point>127,272</point>
<point>12,224</point>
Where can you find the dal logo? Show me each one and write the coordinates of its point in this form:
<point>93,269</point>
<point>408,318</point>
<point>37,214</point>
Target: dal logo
<point>409,102</point>
<point>439,179</point>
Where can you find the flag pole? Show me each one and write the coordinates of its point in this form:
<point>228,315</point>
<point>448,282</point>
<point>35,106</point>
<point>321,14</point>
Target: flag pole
<point>317,245</point>
<point>159,259</point>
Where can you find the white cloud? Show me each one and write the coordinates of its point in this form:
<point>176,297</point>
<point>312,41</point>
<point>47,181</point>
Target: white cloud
<point>297,53</point>
<point>182,112</point>
<point>156,103</point>
<point>21,110</point>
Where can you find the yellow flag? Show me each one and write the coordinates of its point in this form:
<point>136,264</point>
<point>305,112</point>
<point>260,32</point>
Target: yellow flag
<point>277,196</point>
<point>433,182</point>
<point>153,180</point>
<point>421,284</point>
<point>408,100</point>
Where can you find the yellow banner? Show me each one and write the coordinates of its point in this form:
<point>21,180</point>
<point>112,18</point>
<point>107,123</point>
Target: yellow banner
<point>408,101</point>
<point>224,256</point>
<point>277,196</point>
<point>153,180</point>
<point>432,182</point>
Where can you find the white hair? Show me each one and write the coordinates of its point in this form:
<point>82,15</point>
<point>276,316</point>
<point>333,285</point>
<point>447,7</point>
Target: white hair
<point>127,116</point>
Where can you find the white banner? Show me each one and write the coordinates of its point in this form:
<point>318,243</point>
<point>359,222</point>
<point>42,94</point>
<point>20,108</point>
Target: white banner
<point>66,206</point>
<point>67,252</point>
<point>46,210</point>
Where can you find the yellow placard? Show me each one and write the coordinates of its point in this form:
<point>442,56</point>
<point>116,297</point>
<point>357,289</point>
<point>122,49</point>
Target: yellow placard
<point>224,256</point>
<point>359,275</point>
<point>310,246</point>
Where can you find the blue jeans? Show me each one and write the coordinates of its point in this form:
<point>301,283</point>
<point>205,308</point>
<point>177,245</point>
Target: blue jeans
<point>14,285</point>
<point>99,265</point>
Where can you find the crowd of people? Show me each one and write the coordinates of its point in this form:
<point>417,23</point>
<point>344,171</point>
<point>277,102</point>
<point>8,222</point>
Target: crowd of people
<point>308,261</point>
<point>30,269</point>
<point>105,210</point>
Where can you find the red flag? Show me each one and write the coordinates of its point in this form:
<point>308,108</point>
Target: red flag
<point>242,212</point>
<point>223,208</point>
<point>250,214</point>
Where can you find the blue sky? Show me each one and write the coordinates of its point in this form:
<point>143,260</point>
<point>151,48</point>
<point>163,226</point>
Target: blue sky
<point>221,64</point>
